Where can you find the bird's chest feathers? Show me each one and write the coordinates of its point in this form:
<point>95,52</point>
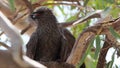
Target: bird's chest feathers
<point>49,37</point>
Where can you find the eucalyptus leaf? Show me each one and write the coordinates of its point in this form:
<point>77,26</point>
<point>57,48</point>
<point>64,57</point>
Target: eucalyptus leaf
<point>86,53</point>
<point>116,35</point>
<point>61,9</point>
<point>98,47</point>
<point>112,61</point>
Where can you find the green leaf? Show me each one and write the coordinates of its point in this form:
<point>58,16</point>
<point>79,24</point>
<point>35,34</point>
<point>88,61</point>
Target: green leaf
<point>110,63</point>
<point>116,35</point>
<point>86,53</point>
<point>113,57</point>
<point>33,1</point>
<point>73,7</point>
<point>61,9</point>
<point>78,29</point>
<point>98,47</point>
<point>71,18</point>
<point>110,1</point>
<point>115,11</point>
<point>90,63</point>
<point>107,65</point>
<point>100,4</point>
<point>12,6</point>
<point>116,66</point>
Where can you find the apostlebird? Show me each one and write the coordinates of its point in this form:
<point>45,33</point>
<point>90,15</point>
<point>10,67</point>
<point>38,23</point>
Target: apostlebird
<point>49,42</point>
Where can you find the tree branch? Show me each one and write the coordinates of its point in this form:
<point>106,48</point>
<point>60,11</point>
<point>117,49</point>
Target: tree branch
<point>95,14</point>
<point>3,44</point>
<point>82,42</point>
<point>16,41</point>
<point>28,5</point>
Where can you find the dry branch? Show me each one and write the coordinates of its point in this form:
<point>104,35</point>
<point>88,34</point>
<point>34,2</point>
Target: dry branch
<point>4,45</point>
<point>28,5</point>
<point>16,49</point>
<point>8,28</point>
<point>95,14</point>
<point>4,7</point>
<point>80,47</point>
<point>26,29</point>
<point>83,40</point>
<point>1,33</point>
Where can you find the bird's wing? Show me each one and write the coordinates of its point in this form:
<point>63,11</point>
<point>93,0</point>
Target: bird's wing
<point>31,46</point>
<point>67,44</point>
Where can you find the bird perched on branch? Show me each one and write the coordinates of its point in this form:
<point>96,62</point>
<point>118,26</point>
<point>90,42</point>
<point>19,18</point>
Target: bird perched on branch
<point>49,42</point>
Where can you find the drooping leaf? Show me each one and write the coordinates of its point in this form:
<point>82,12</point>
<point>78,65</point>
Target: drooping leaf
<point>71,18</point>
<point>116,35</point>
<point>98,47</point>
<point>112,61</point>
<point>107,65</point>
<point>116,66</point>
<point>86,53</point>
<point>73,7</point>
<point>90,62</point>
<point>78,29</point>
<point>110,1</point>
<point>61,9</point>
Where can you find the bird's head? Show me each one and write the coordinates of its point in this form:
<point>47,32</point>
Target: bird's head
<point>43,16</point>
<point>41,12</point>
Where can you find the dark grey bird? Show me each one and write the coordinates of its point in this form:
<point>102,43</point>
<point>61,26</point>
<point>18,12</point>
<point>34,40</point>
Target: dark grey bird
<point>49,42</point>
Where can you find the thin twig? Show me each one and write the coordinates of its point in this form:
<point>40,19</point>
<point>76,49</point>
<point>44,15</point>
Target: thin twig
<point>5,45</point>
<point>81,43</point>
<point>81,20</point>
<point>16,41</point>
<point>1,33</point>
<point>28,5</point>
<point>19,18</point>
<point>26,29</point>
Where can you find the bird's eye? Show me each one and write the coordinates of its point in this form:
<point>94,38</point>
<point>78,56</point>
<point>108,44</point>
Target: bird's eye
<point>36,15</point>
